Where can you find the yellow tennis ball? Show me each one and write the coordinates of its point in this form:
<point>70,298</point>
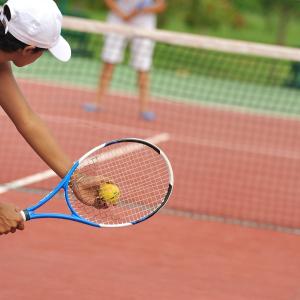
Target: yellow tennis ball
<point>109,193</point>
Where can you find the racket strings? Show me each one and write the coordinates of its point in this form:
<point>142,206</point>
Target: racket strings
<point>141,174</point>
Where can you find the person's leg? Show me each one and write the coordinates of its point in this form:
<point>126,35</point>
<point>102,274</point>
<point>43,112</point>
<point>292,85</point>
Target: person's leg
<point>143,84</point>
<point>112,54</point>
<point>102,88</point>
<point>141,60</point>
<point>144,95</point>
<point>104,82</point>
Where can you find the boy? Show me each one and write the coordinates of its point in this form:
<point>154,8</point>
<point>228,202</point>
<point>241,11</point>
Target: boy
<point>28,28</point>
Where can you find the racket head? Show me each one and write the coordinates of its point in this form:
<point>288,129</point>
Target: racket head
<point>142,172</point>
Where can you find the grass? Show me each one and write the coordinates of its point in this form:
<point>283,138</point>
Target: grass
<point>257,28</point>
<point>235,82</point>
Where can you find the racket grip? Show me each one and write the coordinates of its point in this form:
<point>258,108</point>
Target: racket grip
<point>25,215</point>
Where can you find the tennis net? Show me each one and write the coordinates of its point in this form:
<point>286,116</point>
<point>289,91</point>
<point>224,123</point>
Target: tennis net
<point>227,115</point>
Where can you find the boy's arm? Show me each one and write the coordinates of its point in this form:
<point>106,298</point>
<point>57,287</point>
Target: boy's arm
<point>31,127</point>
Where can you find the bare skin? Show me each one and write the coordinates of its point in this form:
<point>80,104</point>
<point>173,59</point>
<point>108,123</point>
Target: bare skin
<point>10,218</point>
<point>86,189</point>
<point>32,128</point>
<point>27,122</point>
<point>108,69</point>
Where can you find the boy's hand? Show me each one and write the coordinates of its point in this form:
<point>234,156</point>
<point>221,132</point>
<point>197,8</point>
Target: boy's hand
<point>10,218</point>
<point>131,15</point>
<point>86,189</point>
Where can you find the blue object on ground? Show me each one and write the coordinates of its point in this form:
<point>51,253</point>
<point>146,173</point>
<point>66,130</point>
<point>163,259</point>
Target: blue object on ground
<point>148,115</point>
<point>91,107</point>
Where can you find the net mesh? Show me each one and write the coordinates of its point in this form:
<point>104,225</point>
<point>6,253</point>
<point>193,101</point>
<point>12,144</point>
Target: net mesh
<point>228,112</point>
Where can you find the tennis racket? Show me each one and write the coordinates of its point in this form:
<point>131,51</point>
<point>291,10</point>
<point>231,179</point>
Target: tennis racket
<point>140,170</point>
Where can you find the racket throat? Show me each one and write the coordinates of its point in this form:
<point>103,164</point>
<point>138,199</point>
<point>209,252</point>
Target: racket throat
<point>25,215</point>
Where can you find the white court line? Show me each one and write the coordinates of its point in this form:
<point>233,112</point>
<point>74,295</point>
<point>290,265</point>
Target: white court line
<point>202,142</point>
<point>272,152</point>
<point>198,103</point>
<point>196,141</point>
<point>96,124</point>
<point>163,137</point>
<point>26,181</point>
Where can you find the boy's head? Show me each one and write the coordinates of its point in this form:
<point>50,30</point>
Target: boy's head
<point>31,26</point>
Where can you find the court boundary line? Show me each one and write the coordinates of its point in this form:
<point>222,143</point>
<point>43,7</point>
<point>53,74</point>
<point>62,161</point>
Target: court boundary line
<point>209,143</point>
<point>203,142</point>
<point>198,103</point>
<point>239,147</point>
<point>98,124</point>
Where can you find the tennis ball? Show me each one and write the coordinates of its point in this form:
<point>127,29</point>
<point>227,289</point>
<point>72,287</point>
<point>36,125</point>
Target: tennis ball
<point>109,193</point>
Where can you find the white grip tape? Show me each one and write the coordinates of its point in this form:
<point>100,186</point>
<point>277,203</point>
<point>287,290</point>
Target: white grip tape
<point>23,215</point>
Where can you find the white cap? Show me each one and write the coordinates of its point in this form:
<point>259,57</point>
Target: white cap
<point>38,23</point>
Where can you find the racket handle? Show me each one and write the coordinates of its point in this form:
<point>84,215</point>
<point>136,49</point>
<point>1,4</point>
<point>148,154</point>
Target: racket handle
<point>25,215</point>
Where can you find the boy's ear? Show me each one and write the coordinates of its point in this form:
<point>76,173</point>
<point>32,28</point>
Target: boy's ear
<point>28,50</point>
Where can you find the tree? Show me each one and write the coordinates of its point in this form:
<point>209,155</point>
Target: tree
<point>212,13</point>
<point>285,10</point>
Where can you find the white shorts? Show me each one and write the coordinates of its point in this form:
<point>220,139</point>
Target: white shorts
<point>141,48</point>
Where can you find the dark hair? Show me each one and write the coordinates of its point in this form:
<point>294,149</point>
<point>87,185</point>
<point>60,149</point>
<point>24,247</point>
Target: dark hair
<point>8,43</point>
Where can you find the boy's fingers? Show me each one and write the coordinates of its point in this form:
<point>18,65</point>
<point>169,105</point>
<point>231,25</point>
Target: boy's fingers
<point>21,226</point>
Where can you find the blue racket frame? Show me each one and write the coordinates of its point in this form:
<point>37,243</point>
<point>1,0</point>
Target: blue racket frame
<point>30,213</point>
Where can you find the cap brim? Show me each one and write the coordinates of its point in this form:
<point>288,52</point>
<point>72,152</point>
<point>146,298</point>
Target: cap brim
<point>61,50</point>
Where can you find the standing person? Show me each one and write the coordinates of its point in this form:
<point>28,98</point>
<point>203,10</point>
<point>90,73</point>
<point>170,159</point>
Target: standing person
<point>28,28</point>
<point>142,14</point>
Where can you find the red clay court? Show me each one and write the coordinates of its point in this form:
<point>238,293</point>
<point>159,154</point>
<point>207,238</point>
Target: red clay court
<point>171,256</point>
<point>230,126</point>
